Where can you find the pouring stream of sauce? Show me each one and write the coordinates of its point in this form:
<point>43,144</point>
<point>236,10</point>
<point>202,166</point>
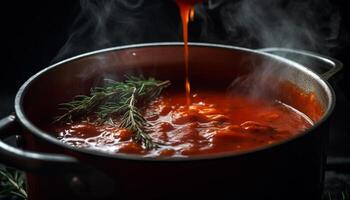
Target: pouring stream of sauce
<point>187,12</point>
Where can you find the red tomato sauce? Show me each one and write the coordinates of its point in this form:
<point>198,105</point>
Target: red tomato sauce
<point>214,122</point>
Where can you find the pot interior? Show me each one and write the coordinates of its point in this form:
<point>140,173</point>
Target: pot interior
<point>259,75</point>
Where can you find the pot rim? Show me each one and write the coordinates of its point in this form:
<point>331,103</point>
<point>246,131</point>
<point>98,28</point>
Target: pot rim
<point>49,138</point>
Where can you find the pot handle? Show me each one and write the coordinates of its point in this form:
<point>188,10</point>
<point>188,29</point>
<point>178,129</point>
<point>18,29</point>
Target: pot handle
<point>26,160</point>
<point>83,181</point>
<point>325,66</point>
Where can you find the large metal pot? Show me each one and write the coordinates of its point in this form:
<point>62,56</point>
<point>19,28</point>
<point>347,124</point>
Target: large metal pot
<point>291,169</point>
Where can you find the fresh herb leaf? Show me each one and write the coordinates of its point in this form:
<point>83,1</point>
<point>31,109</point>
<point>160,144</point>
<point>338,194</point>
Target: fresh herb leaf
<point>12,182</point>
<point>118,99</point>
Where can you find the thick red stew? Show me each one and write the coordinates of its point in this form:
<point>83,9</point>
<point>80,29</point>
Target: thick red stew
<point>214,122</point>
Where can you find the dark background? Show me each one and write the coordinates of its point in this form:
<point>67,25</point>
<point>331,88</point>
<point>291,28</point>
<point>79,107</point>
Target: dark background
<point>33,32</point>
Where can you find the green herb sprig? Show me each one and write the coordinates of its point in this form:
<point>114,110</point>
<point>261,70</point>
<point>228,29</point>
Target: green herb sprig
<point>118,99</point>
<point>12,183</point>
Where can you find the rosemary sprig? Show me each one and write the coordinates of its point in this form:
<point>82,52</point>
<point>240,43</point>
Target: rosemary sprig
<point>134,121</point>
<point>12,182</point>
<point>118,99</point>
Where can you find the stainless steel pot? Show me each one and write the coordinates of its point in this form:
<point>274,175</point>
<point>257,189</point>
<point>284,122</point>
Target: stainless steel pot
<point>291,169</point>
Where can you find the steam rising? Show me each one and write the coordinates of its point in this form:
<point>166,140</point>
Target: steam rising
<point>298,24</point>
<point>106,23</point>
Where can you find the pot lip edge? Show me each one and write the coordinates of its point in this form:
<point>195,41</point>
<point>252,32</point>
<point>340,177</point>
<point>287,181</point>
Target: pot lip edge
<point>25,122</point>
